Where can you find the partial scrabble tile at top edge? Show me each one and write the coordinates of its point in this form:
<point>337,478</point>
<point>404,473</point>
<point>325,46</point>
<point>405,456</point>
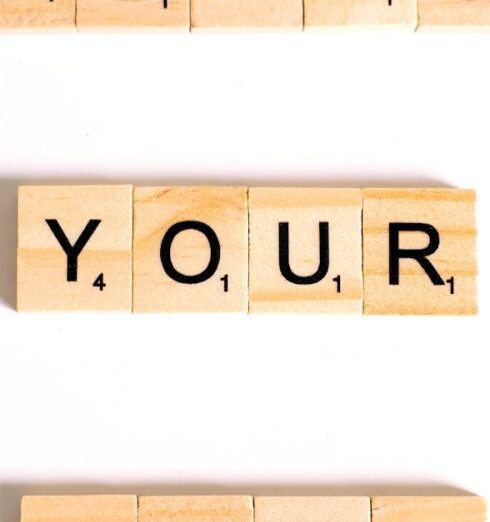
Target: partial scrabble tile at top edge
<point>74,248</point>
<point>196,509</point>
<point>150,14</point>
<point>419,251</point>
<point>428,509</point>
<point>84,508</point>
<point>312,509</point>
<point>323,14</point>
<point>190,249</point>
<point>305,250</point>
<point>459,14</point>
<point>246,14</point>
<point>37,14</point>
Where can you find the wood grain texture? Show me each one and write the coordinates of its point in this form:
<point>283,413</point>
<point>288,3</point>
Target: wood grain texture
<point>360,13</point>
<point>246,14</point>
<point>136,14</point>
<point>303,209</point>
<point>42,263</point>
<point>224,210</point>
<point>196,509</point>
<point>37,14</point>
<point>452,213</point>
<point>312,509</point>
<point>89,508</point>
<point>449,14</point>
<point>428,509</point>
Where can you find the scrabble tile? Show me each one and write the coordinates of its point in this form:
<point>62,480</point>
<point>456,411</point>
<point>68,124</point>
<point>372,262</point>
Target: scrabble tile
<point>305,250</point>
<point>74,248</point>
<point>360,13</point>
<point>428,509</point>
<point>195,509</point>
<point>312,509</point>
<point>150,14</point>
<point>446,14</point>
<point>246,14</point>
<point>89,508</point>
<point>419,251</point>
<point>190,249</point>
<point>37,14</point>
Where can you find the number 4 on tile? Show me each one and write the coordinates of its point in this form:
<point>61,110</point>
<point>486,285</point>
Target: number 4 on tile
<point>100,283</point>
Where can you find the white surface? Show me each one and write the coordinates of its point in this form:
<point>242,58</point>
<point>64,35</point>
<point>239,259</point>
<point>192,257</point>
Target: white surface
<point>315,404</point>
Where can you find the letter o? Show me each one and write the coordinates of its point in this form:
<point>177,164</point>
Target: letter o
<point>166,259</point>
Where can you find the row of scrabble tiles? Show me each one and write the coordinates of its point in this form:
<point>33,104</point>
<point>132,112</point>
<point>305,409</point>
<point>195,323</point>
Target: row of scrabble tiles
<point>128,508</point>
<point>237,249</point>
<point>244,14</point>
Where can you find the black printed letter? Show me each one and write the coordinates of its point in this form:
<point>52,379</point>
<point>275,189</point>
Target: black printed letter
<point>215,252</point>
<point>420,255</point>
<point>284,257</point>
<point>72,251</point>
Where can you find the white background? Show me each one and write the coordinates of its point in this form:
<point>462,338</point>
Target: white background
<point>211,404</point>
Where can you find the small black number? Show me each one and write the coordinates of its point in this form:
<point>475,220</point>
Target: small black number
<point>338,281</point>
<point>99,282</point>
<point>165,4</point>
<point>389,2</point>
<point>450,282</point>
<point>225,282</point>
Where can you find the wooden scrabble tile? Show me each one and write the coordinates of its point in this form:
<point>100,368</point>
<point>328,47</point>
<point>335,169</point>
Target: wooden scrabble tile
<point>312,509</point>
<point>89,508</point>
<point>37,14</point>
<point>446,14</point>
<point>190,249</point>
<point>419,251</point>
<point>360,13</point>
<point>246,14</point>
<point>137,14</point>
<point>428,509</point>
<point>74,248</point>
<point>305,250</point>
<point>196,509</point>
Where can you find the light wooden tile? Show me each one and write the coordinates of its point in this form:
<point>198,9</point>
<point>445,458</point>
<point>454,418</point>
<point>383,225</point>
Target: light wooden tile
<point>247,14</point>
<point>89,508</point>
<point>136,14</point>
<point>360,13</point>
<point>450,214</point>
<point>428,509</point>
<point>97,218</point>
<point>196,280</point>
<point>304,211</point>
<point>312,509</point>
<point>447,14</point>
<point>37,14</point>
<point>196,509</point>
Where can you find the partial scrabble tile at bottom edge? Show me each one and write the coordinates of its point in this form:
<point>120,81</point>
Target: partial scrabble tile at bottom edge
<point>196,509</point>
<point>36,14</point>
<point>343,14</point>
<point>83,508</point>
<point>428,509</point>
<point>453,14</point>
<point>312,509</point>
<point>130,508</point>
<point>133,14</point>
<point>246,15</point>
